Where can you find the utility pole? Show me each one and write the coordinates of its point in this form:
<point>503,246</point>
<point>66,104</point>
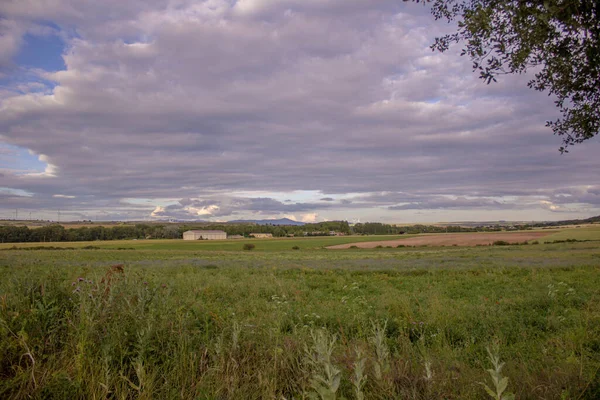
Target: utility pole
<point>58,213</point>
<point>16,214</point>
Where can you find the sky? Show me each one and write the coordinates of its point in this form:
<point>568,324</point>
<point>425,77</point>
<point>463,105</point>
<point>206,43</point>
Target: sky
<point>313,110</point>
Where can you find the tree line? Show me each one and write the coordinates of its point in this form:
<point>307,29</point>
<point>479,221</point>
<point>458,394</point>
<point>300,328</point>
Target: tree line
<point>58,233</point>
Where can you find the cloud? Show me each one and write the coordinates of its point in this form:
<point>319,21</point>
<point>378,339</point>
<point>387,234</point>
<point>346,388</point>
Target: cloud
<point>187,104</point>
<point>310,217</point>
<point>438,202</point>
<point>548,205</point>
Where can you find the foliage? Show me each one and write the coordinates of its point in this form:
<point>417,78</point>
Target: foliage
<point>249,246</point>
<point>393,323</point>
<point>58,233</point>
<point>326,377</point>
<point>558,39</point>
<point>499,381</point>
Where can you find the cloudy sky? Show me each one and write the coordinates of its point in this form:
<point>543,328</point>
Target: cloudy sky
<point>309,109</point>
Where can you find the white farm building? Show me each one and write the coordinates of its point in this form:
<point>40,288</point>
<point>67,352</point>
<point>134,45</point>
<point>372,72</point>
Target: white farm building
<point>204,235</point>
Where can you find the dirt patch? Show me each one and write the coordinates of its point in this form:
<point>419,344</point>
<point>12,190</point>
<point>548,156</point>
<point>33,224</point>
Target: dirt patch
<point>450,239</point>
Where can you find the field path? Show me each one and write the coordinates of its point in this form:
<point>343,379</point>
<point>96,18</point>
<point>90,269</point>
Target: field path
<point>451,239</point>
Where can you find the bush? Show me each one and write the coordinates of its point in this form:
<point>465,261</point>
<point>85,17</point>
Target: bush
<point>400,246</point>
<point>249,246</point>
<point>379,247</point>
<point>501,243</point>
<point>354,247</point>
<point>295,248</point>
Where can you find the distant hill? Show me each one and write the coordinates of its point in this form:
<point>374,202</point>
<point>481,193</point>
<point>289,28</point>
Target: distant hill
<point>282,221</point>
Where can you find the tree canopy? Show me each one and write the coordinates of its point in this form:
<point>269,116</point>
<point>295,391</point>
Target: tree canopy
<point>558,39</point>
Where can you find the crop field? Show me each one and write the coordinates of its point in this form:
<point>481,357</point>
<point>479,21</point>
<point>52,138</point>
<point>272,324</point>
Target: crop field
<point>451,239</point>
<point>290,319</point>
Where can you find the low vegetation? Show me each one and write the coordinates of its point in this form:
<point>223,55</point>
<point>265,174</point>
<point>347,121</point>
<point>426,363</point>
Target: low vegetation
<point>411,323</point>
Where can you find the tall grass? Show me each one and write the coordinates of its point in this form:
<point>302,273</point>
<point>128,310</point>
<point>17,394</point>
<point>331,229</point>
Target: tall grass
<point>266,332</point>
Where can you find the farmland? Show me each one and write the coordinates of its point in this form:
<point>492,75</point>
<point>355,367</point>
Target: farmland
<point>292,319</point>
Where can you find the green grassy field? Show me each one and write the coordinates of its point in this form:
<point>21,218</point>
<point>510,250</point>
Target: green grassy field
<point>276,244</point>
<point>585,232</point>
<point>206,320</point>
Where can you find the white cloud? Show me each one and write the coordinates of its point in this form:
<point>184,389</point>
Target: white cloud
<point>158,210</point>
<point>310,217</point>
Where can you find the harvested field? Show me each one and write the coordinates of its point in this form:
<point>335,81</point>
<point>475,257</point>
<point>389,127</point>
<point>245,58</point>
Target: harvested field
<point>451,239</point>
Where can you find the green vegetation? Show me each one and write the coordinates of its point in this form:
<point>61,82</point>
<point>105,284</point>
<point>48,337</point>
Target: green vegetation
<point>193,320</point>
<point>589,232</point>
<point>558,39</point>
<point>279,244</point>
<point>58,233</point>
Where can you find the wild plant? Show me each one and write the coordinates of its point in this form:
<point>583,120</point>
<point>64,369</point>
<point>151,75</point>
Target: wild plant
<point>326,377</point>
<point>218,351</point>
<point>428,371</point>
<point>360,377</point>
<point>499,382</point>
<point>382,351</point>
<point>235,335</point>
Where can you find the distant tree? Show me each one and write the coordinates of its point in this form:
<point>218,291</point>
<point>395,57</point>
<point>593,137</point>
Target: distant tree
<point>560,39</point>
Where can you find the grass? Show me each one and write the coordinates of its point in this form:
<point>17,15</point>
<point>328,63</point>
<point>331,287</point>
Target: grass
<point>585,232</point>
<point>210,322</point>
<point>277,244</point>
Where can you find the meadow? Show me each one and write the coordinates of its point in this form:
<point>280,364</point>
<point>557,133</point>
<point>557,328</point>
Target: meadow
<point>208,320</point>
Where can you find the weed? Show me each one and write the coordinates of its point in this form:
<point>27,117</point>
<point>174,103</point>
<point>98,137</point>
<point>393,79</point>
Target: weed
<point>326,377</point>
<point>360,377</point>
<point>499,382</point>
<point>382,352</point>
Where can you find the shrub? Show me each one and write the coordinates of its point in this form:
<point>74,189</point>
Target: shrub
<point>400,246</point>
<point>354,247</point>
<point>501,243</point>
<point>379,247</point>
<point>249,246</point>
<point>295,248</point>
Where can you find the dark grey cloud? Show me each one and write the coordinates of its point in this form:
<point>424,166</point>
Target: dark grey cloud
<point>212,109</point>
